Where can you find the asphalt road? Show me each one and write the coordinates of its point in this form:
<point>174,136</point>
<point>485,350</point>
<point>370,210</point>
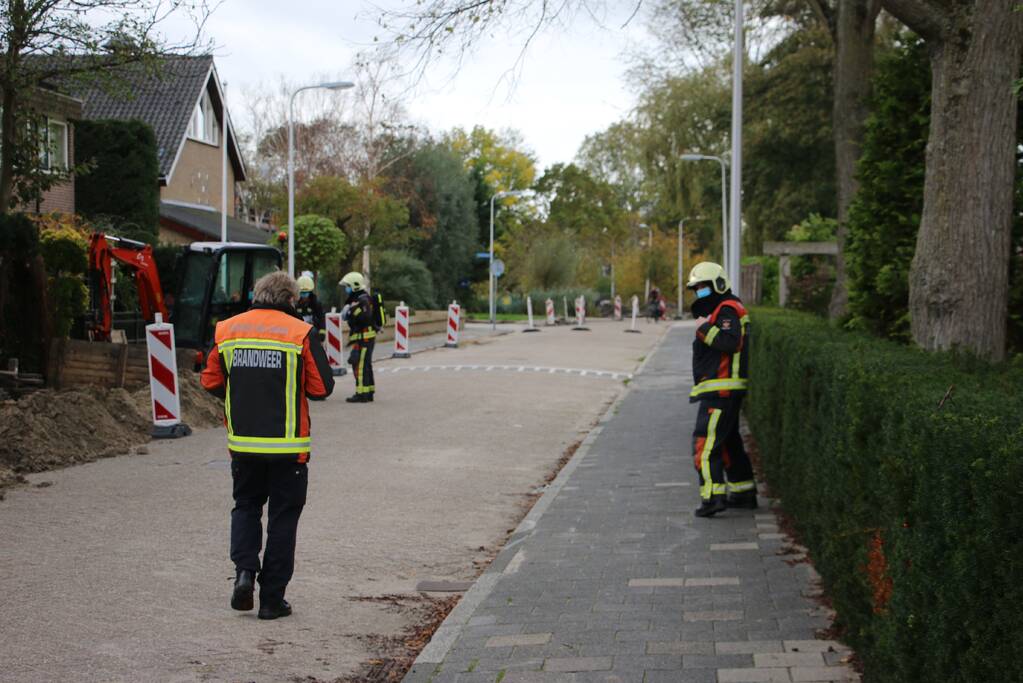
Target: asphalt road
<point>118,570</point>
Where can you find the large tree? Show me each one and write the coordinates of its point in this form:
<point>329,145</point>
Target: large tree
<point>959,279</point>
<point>44,43</point>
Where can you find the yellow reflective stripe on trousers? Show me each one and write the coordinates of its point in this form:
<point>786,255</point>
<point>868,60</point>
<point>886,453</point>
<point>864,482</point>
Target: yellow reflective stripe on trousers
<point>707,488</point>
<point>712,385</point>
<point>251,444</point>
<point>362,336</point>
<point>359,386</point>
<point>708,339</point>
<point>741,486</point>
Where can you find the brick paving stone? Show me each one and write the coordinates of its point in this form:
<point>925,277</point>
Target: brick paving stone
<point>618,582</point>
<point>788,659</point>
<point>824,673</point>
<point>570,664</point>
<point>753,676</point>
<point>519,640</point>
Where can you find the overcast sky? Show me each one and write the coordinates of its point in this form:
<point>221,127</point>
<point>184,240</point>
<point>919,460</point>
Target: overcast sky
<point>570,84</point>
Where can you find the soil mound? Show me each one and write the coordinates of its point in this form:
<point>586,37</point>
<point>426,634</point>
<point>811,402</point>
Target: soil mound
<point>50,429</point>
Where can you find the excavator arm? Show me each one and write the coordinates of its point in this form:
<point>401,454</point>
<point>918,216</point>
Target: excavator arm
<point>137,257</point>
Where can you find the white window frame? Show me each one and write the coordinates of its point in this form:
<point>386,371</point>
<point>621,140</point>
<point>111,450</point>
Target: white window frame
<point>49,161</point>
<point>203,126</point>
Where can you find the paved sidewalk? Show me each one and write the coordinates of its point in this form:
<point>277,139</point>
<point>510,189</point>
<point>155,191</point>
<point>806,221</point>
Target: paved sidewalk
<point>611,577</point>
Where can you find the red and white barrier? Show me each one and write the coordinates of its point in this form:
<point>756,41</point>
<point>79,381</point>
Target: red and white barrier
<point>454,317</point>
<point>635,313</point>
<point>335,355</point>
<point>580,315</point>
<point>529,314</point>
<point>551,320</point>
<point>618,307</point>
<point>401,331</point>
<point>165,396</point>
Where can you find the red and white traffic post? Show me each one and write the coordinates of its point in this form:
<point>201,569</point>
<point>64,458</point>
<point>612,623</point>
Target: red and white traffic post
<point>335,356</point>
<point>401,331</point>
<point>580,315</point>
<point>165,396</point>
<point>529,315</point>
<point>635,313</point>
<point>454,318</point>
<point>551,319</point>
<point>618,307</point>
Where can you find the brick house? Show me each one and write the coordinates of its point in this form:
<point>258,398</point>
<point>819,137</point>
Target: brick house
<point>185,106</point>
<point>57,113</point>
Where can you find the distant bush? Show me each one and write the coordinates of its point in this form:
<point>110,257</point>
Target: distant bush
<point>64,245</point>
<point>902,470</point>
<point>399,276</point>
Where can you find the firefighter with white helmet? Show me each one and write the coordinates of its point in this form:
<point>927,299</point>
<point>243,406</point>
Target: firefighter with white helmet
<point>309,307</point>
<point>720,380</point>
<point>361,313</point>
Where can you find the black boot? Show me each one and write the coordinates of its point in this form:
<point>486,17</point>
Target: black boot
<point>274,610</point>
<point>241,598</point>
<point>747,500</point>
<point>359,398</point>
<point>711,507</point>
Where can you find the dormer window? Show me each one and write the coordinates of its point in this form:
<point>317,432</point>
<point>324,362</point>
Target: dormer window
<point>203,126</point>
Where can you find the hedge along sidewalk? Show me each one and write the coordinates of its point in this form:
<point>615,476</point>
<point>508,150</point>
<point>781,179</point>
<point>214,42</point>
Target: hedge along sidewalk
<point>903,471</point>
<point>611,578</point>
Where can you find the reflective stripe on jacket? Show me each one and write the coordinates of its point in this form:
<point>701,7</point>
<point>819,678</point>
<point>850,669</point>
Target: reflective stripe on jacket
<point>265,364</point>
<point>721,353</point>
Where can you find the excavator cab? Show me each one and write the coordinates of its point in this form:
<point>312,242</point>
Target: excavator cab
<point>214,282</point>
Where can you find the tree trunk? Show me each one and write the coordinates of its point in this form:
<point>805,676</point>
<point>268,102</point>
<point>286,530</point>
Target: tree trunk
<point>959,279</point>
<point>8,143</point>
<point>854,65</point>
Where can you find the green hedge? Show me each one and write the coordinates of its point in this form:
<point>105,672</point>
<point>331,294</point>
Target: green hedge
<point>122,184</point>
<point>856,445</point>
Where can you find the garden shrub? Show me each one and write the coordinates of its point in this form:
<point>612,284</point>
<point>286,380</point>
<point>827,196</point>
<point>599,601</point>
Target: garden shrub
<point>902,470</point>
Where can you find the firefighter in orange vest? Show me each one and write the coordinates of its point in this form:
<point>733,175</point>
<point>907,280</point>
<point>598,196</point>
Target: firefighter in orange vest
<point>720,380</point>
<point>265,364</point>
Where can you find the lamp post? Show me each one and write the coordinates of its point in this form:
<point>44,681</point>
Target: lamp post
<point>738,58</point>
<point>490,266</point>
<point>604,232</point>
<point>724,202</point>
<point>331,85</point>
<point>650,248</point>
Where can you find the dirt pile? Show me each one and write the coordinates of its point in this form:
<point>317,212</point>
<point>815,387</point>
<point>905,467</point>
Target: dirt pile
<point>50,429</point>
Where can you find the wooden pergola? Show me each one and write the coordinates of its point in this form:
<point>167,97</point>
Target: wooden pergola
<point>785,250</point>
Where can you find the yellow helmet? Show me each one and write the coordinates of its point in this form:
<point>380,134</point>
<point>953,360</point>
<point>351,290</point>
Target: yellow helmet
<point>306,284</point>
<point>709,272</point>
<point>354,280</point>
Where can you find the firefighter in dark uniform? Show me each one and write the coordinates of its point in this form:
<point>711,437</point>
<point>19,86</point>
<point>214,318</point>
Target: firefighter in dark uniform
<point>361,316</point>
<point>720,380</point>
<point>309,307</point>
<point>265,364</point>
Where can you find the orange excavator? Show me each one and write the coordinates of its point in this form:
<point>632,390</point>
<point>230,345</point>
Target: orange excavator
<point>212,281</point>
<point>135,256</point>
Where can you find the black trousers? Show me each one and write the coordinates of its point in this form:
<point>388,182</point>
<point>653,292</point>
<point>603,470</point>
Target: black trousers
<point>282,484</point>
<point>361,360</point>
<point>718,451</point>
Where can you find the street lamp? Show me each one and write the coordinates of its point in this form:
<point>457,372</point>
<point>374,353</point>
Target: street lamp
<point>738,58</point>
<point>681,235</point>
<point>490,268</point>
<point>330,85</point>
<point>650,247</point>
<point>724,202</point>
<point>604,231</point>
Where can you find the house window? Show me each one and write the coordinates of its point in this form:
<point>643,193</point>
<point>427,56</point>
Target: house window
<point>203,126</point>
<point>53,147</point>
